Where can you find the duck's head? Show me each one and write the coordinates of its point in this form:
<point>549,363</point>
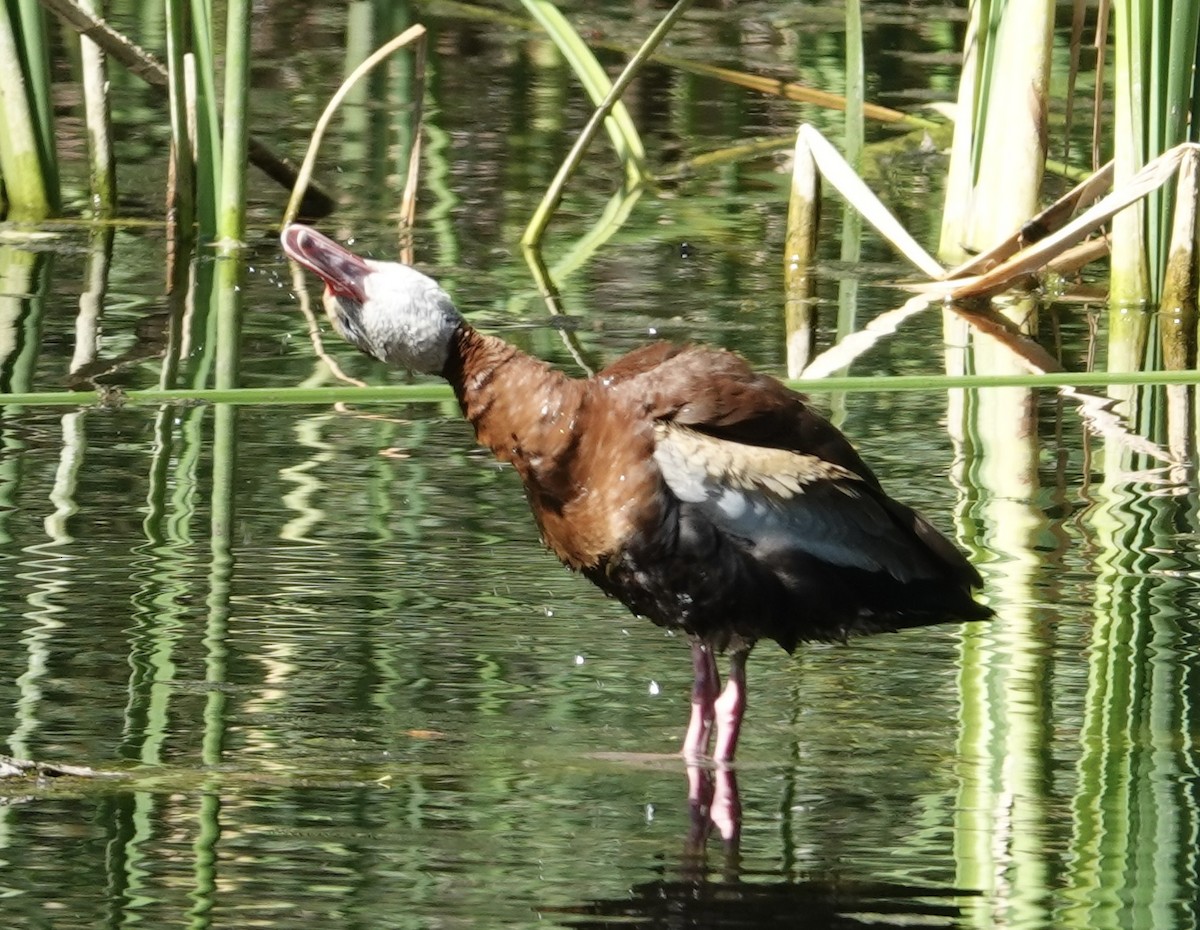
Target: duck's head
<point>386,309</point>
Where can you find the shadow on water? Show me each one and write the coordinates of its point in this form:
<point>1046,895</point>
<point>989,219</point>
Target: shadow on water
<point>691,899</point>
<point>696,893</point>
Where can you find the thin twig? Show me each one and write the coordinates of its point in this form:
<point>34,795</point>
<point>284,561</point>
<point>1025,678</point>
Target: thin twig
<point>411,34</point>
<point>314,330</point>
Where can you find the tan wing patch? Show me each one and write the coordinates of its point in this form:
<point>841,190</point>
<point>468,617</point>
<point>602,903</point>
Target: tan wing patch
<point>688,458</point>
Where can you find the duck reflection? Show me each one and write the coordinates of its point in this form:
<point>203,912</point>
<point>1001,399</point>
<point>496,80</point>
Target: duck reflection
<point>695,895</point>
<point>694,901</point>
<point>715,807</point>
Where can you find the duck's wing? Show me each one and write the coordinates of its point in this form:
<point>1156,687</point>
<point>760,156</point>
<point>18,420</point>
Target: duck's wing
<point>763,466</point>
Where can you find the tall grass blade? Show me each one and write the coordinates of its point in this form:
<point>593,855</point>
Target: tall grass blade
<point>34,48</point>
<point>1178,306</point>
<point>553,196</point>
<point>141,63</point>
<point>1163,53</point>
<point>98,119</point>
<point>181,204</point>
<point>228,306</point>
<point>799,258</point>
<point>1129,276</point>
<point>205,123</point>
<point>231,208</point>
<point>1182,50</point>
<point>1010,153</point>
<point>427,393</point>
<point>591,74</point>
<point>961,176</point>
<point>30,193</point>
<point>999,150</point>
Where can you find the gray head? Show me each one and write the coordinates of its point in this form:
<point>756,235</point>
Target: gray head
<point>386,309</point>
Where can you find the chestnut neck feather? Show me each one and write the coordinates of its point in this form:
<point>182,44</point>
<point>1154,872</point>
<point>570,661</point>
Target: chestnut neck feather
<point>585,457</point>
<point>510,398</point>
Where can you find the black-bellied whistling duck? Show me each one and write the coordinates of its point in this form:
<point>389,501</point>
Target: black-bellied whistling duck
<point>704,496</point>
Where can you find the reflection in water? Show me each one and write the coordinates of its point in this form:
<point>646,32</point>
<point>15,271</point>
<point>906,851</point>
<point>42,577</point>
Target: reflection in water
<point>714,804</point>
<point>1003,769</point>
<point>347,690</point>
<point>695,895</point>
<point>691,899</point>
<point>321,727</point>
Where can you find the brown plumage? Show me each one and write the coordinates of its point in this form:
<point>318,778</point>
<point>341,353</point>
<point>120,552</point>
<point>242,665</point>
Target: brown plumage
<point>703,495</point>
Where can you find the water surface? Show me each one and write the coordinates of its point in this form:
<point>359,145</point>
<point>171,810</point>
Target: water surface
<point>341,683</point>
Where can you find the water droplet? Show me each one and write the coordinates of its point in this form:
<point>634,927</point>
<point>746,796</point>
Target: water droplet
<point>649,813</point>
<point>654,687</point>
<point>579,660</point>
<point>548,611</point>
<point>652,331</point>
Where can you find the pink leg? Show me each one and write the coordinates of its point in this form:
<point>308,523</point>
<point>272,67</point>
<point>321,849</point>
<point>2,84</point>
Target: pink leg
<point>730,706</point>
<point>705,685</point>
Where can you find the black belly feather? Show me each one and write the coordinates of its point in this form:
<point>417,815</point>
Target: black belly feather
<point>689,574</point>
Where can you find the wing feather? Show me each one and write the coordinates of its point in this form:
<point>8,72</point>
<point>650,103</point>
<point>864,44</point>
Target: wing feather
<point>715,392</point>
<point>761,520</point>
<point>778,501</point>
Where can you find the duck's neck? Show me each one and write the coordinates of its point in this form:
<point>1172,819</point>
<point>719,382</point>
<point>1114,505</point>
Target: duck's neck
<point>515,402</point>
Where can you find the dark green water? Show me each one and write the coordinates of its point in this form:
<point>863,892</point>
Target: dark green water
<point>344,686</point>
